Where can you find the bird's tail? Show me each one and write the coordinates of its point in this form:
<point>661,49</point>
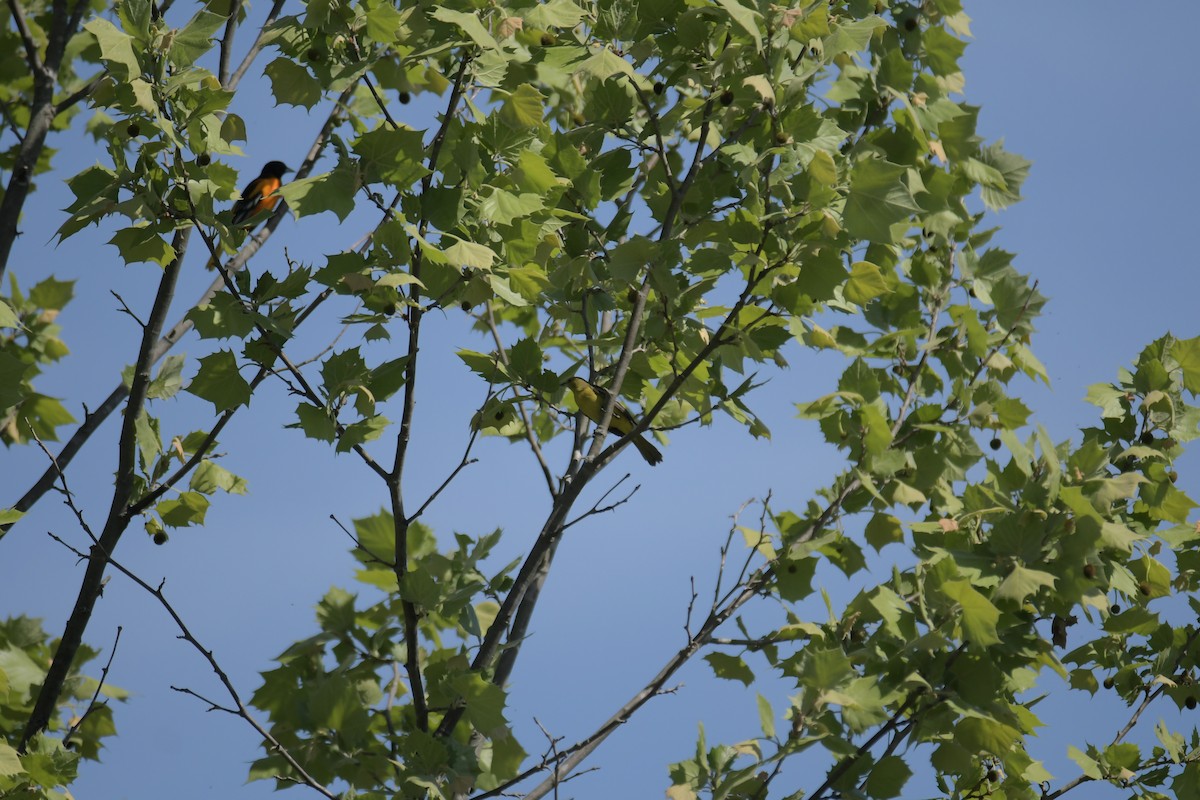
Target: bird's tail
<point>648,451</point>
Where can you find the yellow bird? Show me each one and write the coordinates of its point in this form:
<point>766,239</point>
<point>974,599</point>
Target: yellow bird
<point>592,399</point>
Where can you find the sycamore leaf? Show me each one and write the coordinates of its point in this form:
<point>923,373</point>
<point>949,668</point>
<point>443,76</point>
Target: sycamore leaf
<point>334,191</point>
<point>878,200</point>
<point>470,255</point>
<point>745,18</point>
<point>219,382</point>
<point>468,24</point>
<point>979,616</point>
<point>1187,354</point>
<point>1022,582</point>
<point>731,668</point>
<point>1011,168</point>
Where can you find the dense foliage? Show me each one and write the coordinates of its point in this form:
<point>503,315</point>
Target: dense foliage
<point>662,197</point>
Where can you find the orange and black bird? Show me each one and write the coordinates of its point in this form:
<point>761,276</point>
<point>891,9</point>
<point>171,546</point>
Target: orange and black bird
<point>260,196</point>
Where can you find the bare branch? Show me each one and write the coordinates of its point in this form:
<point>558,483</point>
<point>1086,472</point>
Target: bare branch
<point>127,310</point>
<point>394,479</point>
<point>117,521</point>
<point>255,48</point>
<point>599,509</point>
<point>99,686</point>
<point>235,8</point>
<point>31,50</point>
<point>534,445</point>
<point>239,708</point>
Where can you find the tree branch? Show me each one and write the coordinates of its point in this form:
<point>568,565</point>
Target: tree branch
<point>118,519</point>
<point>31,49</point>
<point>239,709</point>
<point>394,479</point>
<point>255,48</point>
<point>235,8</point>
<point>93,420</point>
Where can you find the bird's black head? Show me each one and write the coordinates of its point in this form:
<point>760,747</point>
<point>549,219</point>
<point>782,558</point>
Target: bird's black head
<point>275,169</point>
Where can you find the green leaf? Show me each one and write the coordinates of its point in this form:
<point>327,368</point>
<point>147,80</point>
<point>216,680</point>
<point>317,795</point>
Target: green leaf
<point>194,39</point>
<point>8,316</point>
<point>383,23</point>
<point>1123,755</point>
<point>988,736</point>
<point>169,379</point>
<point>888,777</point>
<point>1186,784</point>
<point>291,84</point>
<point>605,64</point>
<point>209,477</point>
<point>334,191</point>
<point>395,156</point>
<point>1012,168</point>
<point>219,382</point>
<point>10,764</point>
<point>1086,763</point>
<point>942,50</point>
<point>1022,582</point>
<point>730,668</point>
<point>878,200</point>
<point>865,284</point>
<point>1186,353</point>
<point>503,207</point>
<point>143,244</point>
<point>554,14</point>
<point>470,255</point>
<point>766,716</point>
<point>12,376</point>
<point>52,294</point>
<point>507,757</point>
<point>187,509</point>
<point>468,24</point>
<point>745,18</point>
<point>484,702</point>
<point>979,616</point>
<point>883,529</point>
<point>523,108</point>
<point>223,317</point>
<point>794,576</point>
<point>853,36</point>
<point>824,668</point>
<point>116,49</point>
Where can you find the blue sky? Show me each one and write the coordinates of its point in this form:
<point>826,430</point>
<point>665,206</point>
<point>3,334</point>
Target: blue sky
<point>1074,87</point>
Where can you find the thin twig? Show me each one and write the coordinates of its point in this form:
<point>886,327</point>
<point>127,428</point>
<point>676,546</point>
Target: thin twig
<point>359,545</point>
<point>534,445</point>
<point>99,686</point>
<point>31,49</point>
<point>127,310</point>
<point>599,509</point>
<point>80,93</point>
<point>240,708</point>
